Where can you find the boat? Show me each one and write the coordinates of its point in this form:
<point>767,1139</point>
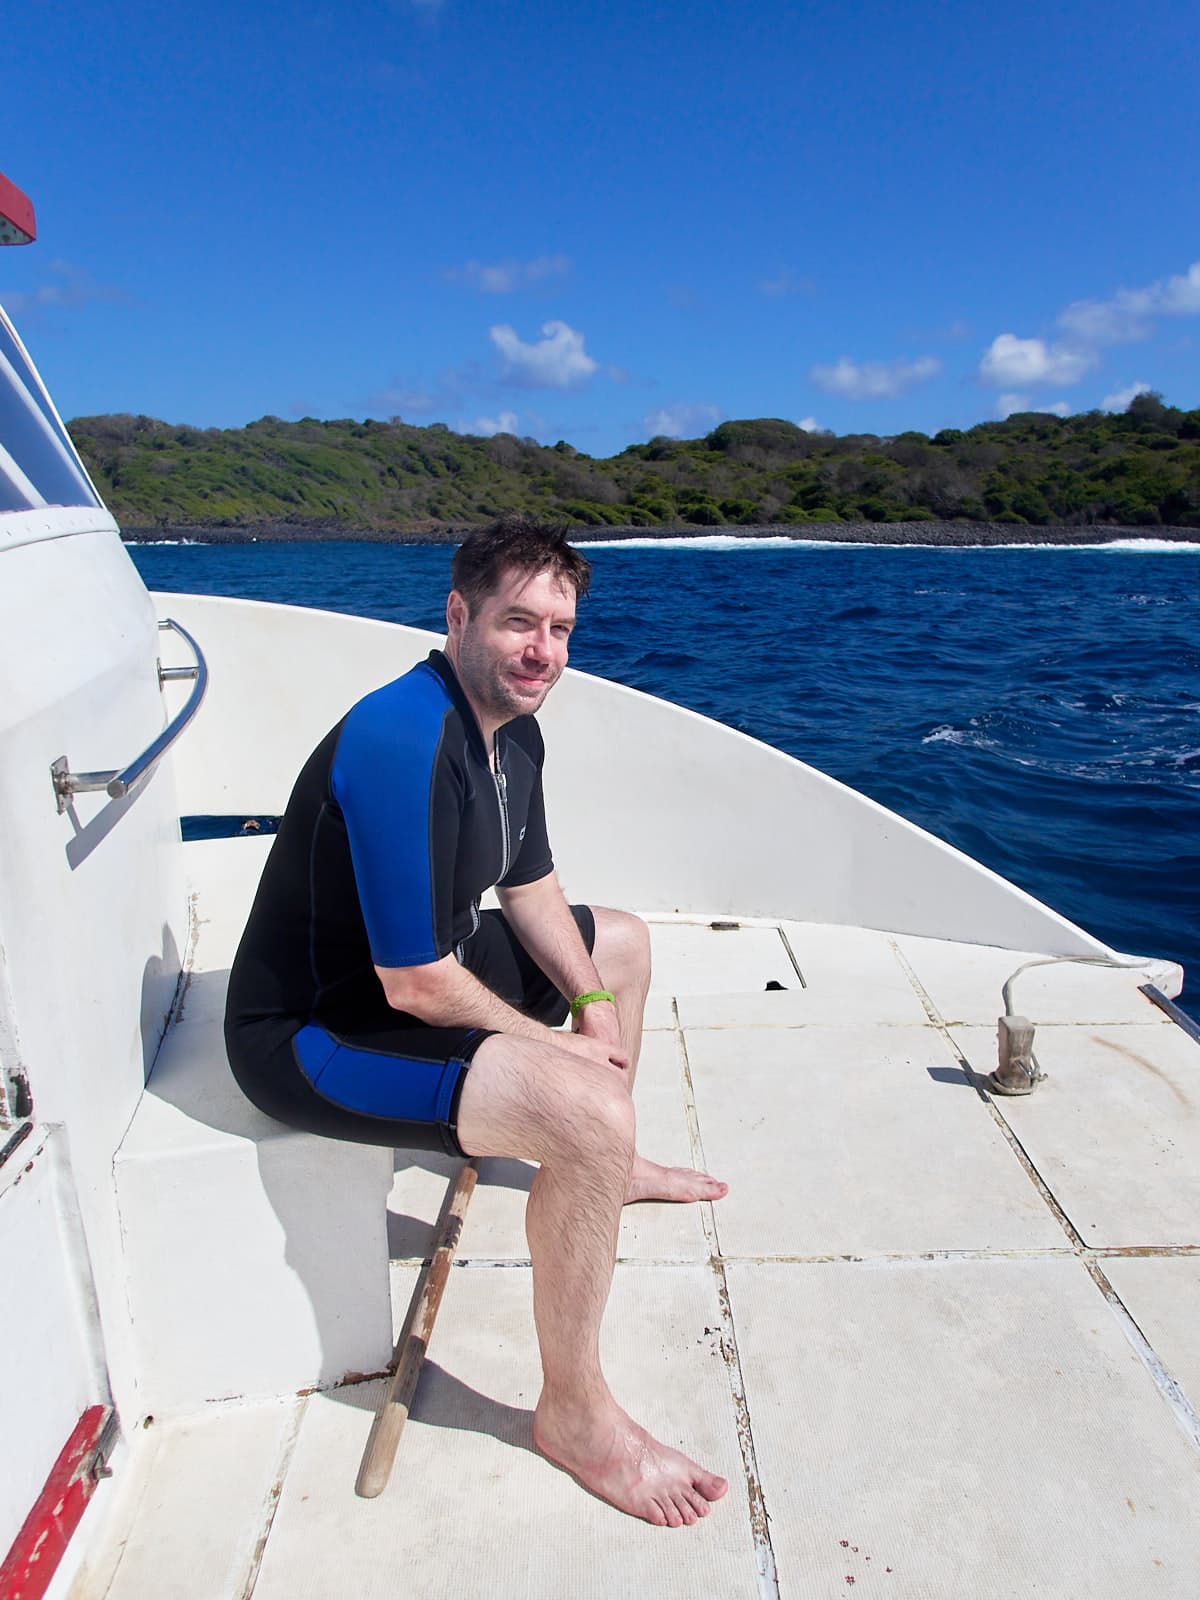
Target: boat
<point>941,1339</point>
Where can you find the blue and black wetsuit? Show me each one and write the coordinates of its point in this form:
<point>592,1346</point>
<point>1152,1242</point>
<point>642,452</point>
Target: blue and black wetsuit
<point>396,826</point>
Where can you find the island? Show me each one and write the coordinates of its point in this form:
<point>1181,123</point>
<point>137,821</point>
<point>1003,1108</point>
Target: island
<point>1033,477</point>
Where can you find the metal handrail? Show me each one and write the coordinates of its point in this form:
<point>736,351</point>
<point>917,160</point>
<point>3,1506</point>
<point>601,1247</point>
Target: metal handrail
<point>118,783</point>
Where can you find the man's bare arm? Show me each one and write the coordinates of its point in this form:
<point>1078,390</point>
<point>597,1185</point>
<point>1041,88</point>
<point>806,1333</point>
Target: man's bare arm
<point>540,917</point>
<point>445,995</point>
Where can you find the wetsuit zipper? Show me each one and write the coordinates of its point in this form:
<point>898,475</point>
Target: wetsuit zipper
<point>458,949</point>
<point>501,783</point>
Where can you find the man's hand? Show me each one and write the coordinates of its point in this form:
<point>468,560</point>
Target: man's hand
<point>600,1051</point>
<point>599,1021</point>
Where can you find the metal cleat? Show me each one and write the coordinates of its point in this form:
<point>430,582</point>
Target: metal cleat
<point>1018,1071</point>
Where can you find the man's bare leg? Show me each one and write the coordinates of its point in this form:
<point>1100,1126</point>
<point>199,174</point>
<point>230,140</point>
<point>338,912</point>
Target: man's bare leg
<point>540,1103</point>
<point>622,957</point>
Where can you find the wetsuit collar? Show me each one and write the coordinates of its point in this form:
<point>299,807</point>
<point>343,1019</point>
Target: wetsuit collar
<point>440,663</point>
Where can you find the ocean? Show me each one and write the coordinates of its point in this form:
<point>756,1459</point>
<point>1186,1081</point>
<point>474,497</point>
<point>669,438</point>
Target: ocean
<point>1037,706</point>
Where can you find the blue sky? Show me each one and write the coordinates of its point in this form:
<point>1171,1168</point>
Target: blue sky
<point>602,223</point>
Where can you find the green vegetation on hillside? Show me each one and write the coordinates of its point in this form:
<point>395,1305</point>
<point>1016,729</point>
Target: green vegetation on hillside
<point>1141,468</point>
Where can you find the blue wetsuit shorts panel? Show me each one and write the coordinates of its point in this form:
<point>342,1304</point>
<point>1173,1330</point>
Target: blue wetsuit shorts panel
<point>389,1079</point>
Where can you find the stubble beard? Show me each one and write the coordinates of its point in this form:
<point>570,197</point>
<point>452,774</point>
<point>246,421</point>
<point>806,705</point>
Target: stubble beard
<point>486,680</point>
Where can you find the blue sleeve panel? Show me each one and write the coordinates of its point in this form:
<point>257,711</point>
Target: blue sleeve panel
<point>376,1084</point>
<point>386,778</point>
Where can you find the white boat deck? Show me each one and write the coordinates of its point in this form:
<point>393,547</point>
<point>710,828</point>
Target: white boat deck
<point>940,1344</point>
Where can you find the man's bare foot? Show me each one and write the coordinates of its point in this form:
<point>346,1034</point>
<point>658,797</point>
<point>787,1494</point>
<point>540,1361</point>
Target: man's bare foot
<point>649,1181</point>
<point>619,1461</point>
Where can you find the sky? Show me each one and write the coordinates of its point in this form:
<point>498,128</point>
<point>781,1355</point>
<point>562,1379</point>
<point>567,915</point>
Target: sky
<point>605,223</point>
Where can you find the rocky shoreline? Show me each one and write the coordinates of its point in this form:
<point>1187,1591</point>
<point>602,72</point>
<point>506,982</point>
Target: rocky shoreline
<point>949,535</point>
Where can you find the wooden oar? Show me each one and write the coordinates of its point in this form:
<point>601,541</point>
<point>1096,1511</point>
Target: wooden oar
<point>389,1421</point>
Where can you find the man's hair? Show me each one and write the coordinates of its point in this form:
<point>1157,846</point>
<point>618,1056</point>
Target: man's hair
<point>516,541</point>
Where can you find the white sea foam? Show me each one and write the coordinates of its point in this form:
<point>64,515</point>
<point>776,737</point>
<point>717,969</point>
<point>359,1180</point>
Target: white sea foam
<point>733,541</point>
<point>703,541</point>
<point>1154,546</point>
<point>1139,547</point>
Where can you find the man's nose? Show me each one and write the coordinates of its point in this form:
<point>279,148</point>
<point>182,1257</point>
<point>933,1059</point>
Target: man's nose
<point>538,644</point>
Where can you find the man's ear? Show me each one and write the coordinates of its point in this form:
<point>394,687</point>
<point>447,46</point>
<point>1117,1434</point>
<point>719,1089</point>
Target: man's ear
<point>457,612</point>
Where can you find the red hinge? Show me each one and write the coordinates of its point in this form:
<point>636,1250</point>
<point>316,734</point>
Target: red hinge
<point>46,1531</point>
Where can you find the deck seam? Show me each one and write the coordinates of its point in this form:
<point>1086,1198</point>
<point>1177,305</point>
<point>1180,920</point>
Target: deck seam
<point>791,955</point>
<point>1115,1252</point>
<point>760,1520</point>
<point>1171,1390</point>
<point>270,1504</point>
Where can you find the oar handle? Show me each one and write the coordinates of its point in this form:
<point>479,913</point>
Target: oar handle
<point>389,1422</point>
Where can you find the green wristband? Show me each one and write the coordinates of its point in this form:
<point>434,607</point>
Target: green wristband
<point>582,1000</point>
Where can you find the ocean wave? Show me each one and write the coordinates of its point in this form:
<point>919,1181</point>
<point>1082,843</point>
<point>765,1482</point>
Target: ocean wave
<point>702,541</point>
<point>667,659</point>
<point>856,614</point>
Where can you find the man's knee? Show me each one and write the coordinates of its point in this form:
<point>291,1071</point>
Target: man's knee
<point>622,944</point>
<point>591,1116</point>
<point>607,1118</point>
<point>532,1100</point>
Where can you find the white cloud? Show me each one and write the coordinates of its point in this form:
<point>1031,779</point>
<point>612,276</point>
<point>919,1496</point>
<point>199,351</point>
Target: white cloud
<point>1121,398</point>
<point>1178,296</point>
<point>1127,315</point>
<point>1101,322</point>
<point>1060,408</point>
<point>810,425</point>
<point>557,361</point>
<point>785,283</point>
<point>680,422</point>
<point>505,277</point>
<point>75,288</point>
<point>1090,325</point>
<point>873,380</point>
<point>1012,360</point>
<point>503,422</point>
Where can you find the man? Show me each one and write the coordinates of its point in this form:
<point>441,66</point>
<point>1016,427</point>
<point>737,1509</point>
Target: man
<point>371,999</point>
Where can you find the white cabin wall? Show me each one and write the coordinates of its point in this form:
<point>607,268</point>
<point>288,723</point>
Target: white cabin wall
<point>93,909</point>
<point>650,806</point>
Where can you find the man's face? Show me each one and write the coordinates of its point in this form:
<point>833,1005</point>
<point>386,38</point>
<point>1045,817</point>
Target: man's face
<point>512,651</point>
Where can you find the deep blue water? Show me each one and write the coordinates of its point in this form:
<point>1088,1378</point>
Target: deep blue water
<point>1039,708</point>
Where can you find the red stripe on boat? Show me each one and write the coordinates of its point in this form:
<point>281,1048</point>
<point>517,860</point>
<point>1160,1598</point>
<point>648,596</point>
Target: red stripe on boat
<point>46,1531</point>
<point>17,225</point>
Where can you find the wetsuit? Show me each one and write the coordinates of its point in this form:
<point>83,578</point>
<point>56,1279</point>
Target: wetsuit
<point>396,826</point>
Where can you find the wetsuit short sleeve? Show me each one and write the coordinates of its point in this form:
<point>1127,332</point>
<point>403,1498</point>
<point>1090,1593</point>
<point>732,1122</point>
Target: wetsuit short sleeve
<point>399,792</point>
